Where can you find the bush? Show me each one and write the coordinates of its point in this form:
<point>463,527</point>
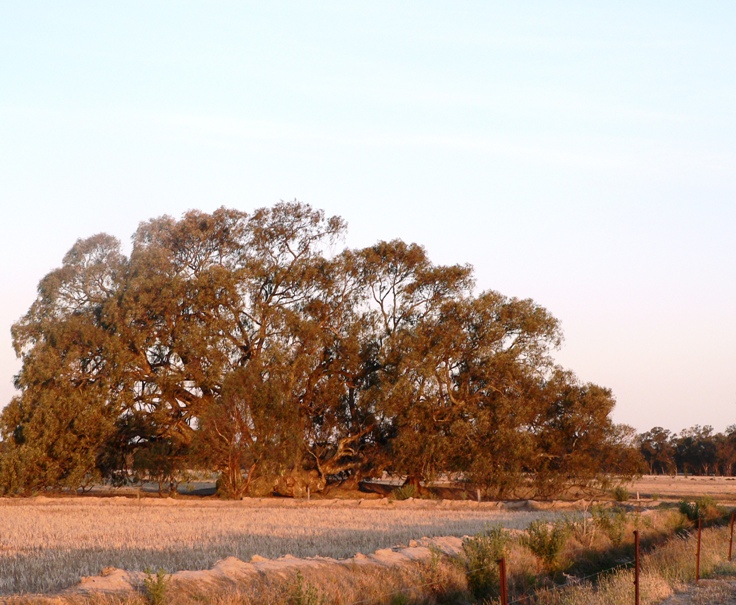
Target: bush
<point>155,587</point>
<point>546,541</point>
<point>611,522</point>
<point>704,508</point>
<point>620,493</point>
<point>482,553</point>
<point>304,593</point>
<point>405,492</point>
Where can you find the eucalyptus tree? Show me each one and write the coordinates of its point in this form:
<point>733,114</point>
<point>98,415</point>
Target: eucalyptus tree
<point>72,385</point>
<point>173,316</point>
<point>405,297</point>
<point>578,445</point>
<point>696,450</point>
<point>250,344</point>
<point>219,306</point>
<point>503,351</point>
<point>658,451</point>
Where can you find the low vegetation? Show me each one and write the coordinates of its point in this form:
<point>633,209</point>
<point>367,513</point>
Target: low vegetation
<point>588,569</point>
<point>49,544</point>
<point>481,553</point>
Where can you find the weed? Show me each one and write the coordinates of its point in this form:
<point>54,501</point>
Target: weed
<point>155,586</point>
<point>435,569</point>
<point>304,593</point>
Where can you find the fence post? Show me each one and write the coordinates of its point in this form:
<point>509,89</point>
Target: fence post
<point>502,572</point>
<point>730,542</point>
<point>697,557</point>
<point>636,567</point>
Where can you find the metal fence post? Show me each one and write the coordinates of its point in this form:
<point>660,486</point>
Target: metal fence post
<point>697,557</point>
<point>636,567</point>
<point>730,542</point>
<point>502,572</point>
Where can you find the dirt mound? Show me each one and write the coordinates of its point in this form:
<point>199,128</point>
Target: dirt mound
<point>233,571</point>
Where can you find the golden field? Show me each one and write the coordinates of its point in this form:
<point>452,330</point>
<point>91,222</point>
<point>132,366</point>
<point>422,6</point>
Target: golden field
<point>666,487</point>
<point>48,544</point>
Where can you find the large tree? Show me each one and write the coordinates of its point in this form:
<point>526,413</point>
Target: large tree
<point>658,451</point>
<point>246,343</point>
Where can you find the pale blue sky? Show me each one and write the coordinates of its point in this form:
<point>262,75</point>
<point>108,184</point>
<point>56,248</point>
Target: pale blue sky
<point>581,154</point>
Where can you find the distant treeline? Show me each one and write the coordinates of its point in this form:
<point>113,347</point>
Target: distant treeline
<point>695,451</point>
<point>251,345</point>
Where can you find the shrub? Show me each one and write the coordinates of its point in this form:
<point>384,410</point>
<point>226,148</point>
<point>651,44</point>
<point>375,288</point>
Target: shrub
<point>546,541</point>
<point>704,508</point>
<point>405,492</point>
<point>620,493</point>
<point>155,586</point>
<point>304,593</point>
<point>482,553</point>
<point>611,522</point>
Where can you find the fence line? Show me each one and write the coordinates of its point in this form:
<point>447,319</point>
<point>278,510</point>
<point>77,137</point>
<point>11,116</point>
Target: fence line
<point>521,599</point>
<point>501,564</point>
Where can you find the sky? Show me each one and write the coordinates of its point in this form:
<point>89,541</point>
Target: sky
<point>580,154</point>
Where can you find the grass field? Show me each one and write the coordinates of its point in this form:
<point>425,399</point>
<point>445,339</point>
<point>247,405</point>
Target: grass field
<point>49,544</point>
<point>676,488</point>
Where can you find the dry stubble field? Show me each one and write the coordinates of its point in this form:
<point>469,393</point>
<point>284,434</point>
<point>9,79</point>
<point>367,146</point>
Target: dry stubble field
<point>48,544</point>
<point>676,488</point>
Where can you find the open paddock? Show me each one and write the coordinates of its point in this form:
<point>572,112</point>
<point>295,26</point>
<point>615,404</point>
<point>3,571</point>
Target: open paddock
<point>666,487</point>
<point>49,544</point>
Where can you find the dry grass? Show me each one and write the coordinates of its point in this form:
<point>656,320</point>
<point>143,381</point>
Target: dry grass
<point>664,487</point>
<point>416,583</point>
<point>48,544</point>
<point>62,538</point>
<point>667,570</point>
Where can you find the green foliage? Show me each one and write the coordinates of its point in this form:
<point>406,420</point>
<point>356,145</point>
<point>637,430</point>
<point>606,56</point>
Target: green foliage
<point>435,577</point>
<point>546,541</point>
<point>620,493</point>
<point>304,593</point>
<point>704,508</point>
<point>611,521</point>
<point>405,492</point>
<point>578,445</point>
<point>481,555</point>
<point>248,345</point>
<point>155,587</point>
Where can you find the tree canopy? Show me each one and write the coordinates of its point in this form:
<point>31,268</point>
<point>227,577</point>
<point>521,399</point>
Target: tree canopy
<point>697,450</point>
<point>250,345</point>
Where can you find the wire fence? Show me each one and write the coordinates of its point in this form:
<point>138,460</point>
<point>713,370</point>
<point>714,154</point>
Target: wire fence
<point>501,564</point>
